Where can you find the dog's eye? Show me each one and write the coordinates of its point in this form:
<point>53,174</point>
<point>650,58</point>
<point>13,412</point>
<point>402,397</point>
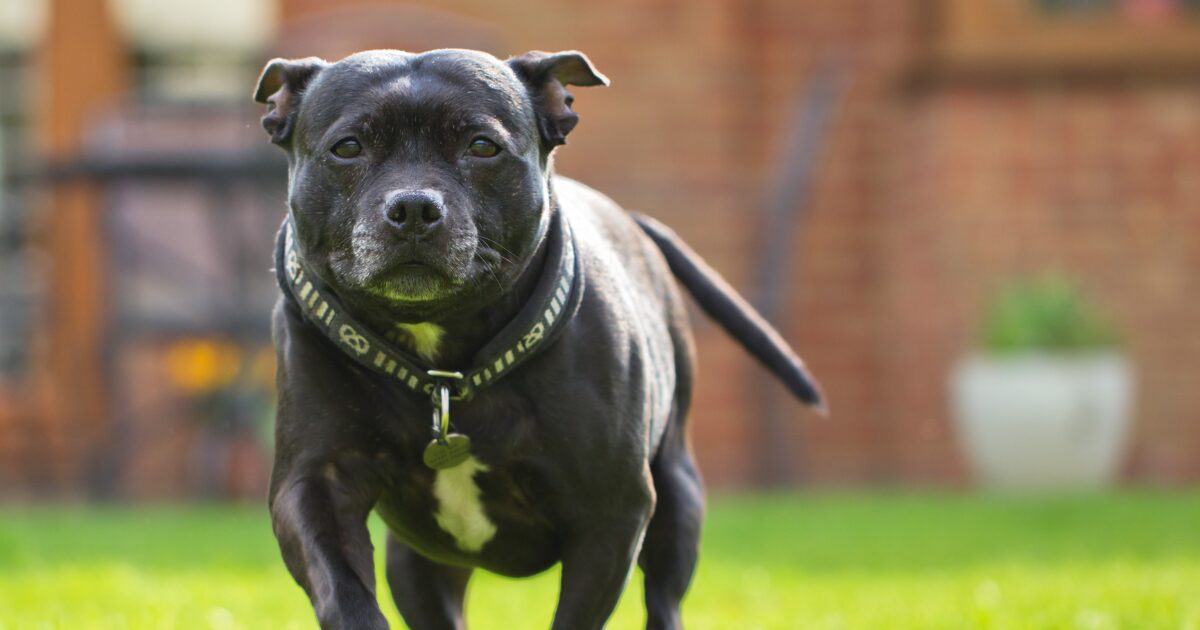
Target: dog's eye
<point>347,148</point>
<point>482,147</point>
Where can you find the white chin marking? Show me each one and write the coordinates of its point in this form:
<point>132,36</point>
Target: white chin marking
<point>425,339</point>
<point>460,512</point>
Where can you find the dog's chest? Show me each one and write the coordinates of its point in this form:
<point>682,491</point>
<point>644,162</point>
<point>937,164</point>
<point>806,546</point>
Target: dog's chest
<point>467,511</point>
<point>459,510</point>
<point>456,495</point>
<point>476,513</point>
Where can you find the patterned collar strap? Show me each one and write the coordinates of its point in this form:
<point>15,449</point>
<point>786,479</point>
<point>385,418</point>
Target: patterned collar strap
<point>554,302</point>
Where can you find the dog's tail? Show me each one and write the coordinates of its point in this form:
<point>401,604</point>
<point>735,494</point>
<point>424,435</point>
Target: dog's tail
<point>733,313</point>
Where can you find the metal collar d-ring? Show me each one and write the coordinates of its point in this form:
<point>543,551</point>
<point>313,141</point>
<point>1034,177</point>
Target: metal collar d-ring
<point>441,402</point>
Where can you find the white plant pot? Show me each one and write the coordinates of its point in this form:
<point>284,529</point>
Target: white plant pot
<point>1042,421</point>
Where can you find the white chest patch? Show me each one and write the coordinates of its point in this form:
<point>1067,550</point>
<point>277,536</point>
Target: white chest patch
<point>460,512</point>
<point>424,338</point>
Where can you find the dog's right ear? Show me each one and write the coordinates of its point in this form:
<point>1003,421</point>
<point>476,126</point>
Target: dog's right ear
<point>280,87</point>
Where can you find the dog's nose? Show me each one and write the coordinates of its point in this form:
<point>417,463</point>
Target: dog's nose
<point>414,211</point>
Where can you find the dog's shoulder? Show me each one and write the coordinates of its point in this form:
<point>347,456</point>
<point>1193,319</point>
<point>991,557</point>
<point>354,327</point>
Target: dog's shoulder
<point>602,226</point>
<point>627,277</point>
<point>582,202</point>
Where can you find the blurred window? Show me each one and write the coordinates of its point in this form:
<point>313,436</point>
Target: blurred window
<point>1136,9</point>
<point>22,23</point>
<point>19,274</point>
<point>200,25</point>
<point>1117,37</point>
<point>202,52</point>
<point>195,75</point>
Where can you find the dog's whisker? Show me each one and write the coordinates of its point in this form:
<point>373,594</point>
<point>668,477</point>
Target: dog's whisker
<point>502,258</point>
<point>498,247</point>
<point>491,272</point>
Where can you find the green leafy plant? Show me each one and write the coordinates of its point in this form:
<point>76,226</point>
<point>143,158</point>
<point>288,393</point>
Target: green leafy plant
<point>1046,313</point>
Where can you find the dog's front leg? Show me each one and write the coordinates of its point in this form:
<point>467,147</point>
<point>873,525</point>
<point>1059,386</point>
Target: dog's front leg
<point>596,565</point>
<point>320,521</point>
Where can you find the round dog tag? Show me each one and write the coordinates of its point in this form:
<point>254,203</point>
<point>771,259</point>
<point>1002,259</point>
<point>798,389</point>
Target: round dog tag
<point>454,450</point>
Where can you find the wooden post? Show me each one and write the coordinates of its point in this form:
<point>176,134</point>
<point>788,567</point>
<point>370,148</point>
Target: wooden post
<point>81,65</point>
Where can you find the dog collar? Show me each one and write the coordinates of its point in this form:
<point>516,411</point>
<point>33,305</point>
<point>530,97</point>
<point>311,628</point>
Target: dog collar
<point>554,302</point>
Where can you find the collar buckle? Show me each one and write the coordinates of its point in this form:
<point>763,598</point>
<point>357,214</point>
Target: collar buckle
<point>439,379</point>
<point>440,397</point>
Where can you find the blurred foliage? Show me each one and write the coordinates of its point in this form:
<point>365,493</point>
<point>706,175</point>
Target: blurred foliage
<point>1046,313</point>
<point>203,365</point>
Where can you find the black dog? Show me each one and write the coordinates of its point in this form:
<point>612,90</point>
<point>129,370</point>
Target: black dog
<point>433,268</point>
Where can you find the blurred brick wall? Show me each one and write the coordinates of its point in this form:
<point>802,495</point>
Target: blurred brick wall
<point>924,200</point>
<point>1099,179</point>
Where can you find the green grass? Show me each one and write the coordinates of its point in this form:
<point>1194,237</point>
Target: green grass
<point>808,561</point>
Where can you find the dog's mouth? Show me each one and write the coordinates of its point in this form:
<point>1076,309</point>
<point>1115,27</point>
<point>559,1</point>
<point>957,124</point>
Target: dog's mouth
<point>421,275</point>
<point>411,268</point>
<point>405,278</point>
<point>412,281</point>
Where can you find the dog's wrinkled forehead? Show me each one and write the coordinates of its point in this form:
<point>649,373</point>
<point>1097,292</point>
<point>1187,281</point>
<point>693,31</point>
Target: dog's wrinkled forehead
<point>445,88</point>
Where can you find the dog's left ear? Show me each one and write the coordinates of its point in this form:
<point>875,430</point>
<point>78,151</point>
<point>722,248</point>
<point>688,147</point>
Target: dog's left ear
<point>546,76</point>
<point>280,87</point>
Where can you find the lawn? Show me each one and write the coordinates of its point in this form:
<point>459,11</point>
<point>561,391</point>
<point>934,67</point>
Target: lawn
<point>785,561</point>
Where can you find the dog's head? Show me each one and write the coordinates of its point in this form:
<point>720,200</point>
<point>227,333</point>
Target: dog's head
<point>419,182</point>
